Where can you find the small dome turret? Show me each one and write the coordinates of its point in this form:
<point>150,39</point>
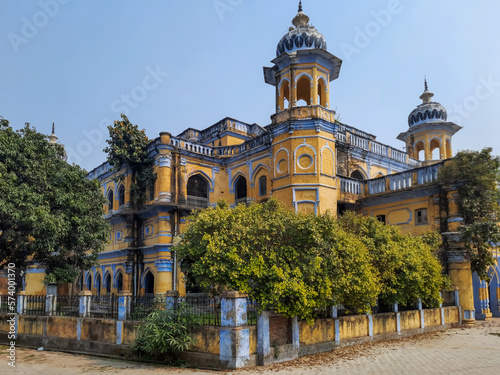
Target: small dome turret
<point>428,111</point>
<point>301,36</point>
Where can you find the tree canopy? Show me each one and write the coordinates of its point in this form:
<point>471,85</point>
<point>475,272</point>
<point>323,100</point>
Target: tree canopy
<point>128,148</point>
<point>296,264</point>
<point>476,174</point>
<point>50,213</point>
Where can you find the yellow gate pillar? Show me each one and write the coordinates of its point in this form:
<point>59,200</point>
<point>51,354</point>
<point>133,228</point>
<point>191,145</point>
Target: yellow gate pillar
<point>459,269</point>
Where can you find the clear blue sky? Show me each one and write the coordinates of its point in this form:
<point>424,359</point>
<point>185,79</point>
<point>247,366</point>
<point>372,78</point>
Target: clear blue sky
<point>191,63</point>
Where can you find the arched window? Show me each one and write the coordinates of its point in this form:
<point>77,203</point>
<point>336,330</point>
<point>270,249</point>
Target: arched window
<point>262,186</point>
<point>110,201</point>
<point>357,175</point>
<point>197,191</point>
<point>321,93</point>
<point>149,283</point>
<point>108,284</point>
<point>121,195</point>
<point>303,91</point>
<point>119,282</point>
<point>420,151</point>
<point>435,146</point>
<point>240,188</point>
<point>197,186</point>
<point>98,285</point>
<point>284,96</point>
<point>89,282</point>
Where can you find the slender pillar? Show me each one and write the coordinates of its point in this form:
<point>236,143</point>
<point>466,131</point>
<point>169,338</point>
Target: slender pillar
<point>263,339</point>
<point>85,303</point>
<point>460,274</point>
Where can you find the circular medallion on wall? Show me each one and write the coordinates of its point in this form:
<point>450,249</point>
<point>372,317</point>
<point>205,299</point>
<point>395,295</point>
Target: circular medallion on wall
<point>305,161</point>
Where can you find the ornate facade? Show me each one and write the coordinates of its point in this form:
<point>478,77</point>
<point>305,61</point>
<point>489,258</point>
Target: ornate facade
<point>305,158</point>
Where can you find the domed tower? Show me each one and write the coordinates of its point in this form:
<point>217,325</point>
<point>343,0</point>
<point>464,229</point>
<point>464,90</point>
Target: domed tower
<point>429,136</point>
<point>303,68</point>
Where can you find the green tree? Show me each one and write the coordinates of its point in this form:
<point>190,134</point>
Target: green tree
<point>475,174</point>
<point>407,267</point>
<point>291,263</point>
<point>128,149</point>
<point>50,213</point>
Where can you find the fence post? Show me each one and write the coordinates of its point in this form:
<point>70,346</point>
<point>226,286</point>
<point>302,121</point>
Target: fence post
<point>171,299</point>
<point>234,338</point>
<point>263,339</point>
<point>441,310</point>
<point>50,305</point>
<point>123,304</point>
<point>334,312</point>
<point>21,302</point>
<point>370,325</point>
<point>85,303</point>
<point>418,304</point>
<point>395,307</point>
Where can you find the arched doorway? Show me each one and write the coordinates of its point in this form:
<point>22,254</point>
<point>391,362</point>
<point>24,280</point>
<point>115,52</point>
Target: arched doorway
<point>149,283</point>
<point>240,189</point>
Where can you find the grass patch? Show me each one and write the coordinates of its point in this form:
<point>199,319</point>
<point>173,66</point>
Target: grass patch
<point>495,334</point>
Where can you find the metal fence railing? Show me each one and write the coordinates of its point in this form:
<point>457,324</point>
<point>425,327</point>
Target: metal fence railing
<point>34,305</point>
<point>448,298</point>
<point>4,305</point>
<point>252,312</point>
<point>104,307</point>
<point>204,307</point>
<point>67,305</point>
<point>142,306</point>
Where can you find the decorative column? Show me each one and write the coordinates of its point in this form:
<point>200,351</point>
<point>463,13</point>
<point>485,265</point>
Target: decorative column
<point>485,301</point>
<point>234,334</point>
<point>460,274</point>
<point>163,281</point>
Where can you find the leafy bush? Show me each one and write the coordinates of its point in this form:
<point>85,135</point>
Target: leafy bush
<point>166,332</point>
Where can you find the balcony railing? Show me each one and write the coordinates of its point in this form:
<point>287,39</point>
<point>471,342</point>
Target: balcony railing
<point>197,202</point>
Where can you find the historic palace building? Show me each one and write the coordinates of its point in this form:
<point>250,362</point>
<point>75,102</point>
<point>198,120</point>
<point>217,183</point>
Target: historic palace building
<point>305,158</point>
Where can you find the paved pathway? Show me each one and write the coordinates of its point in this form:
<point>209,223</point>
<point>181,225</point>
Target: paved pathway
<point>457,351</point>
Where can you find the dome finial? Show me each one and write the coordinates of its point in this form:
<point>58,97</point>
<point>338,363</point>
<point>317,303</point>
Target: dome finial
<point>427,95</point>
<point>301,19</point>
<point>53,138</point>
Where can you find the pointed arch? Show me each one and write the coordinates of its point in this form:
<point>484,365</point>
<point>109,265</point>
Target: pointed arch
<point>240,188</point>
<point>322,92</point>
<point>303,91</point>
<point>256,171</point>
<point>110,198</point>
<point>147,281</point>
<point>357,174</point>
<point>117,279</point>
<point>121,195</point>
